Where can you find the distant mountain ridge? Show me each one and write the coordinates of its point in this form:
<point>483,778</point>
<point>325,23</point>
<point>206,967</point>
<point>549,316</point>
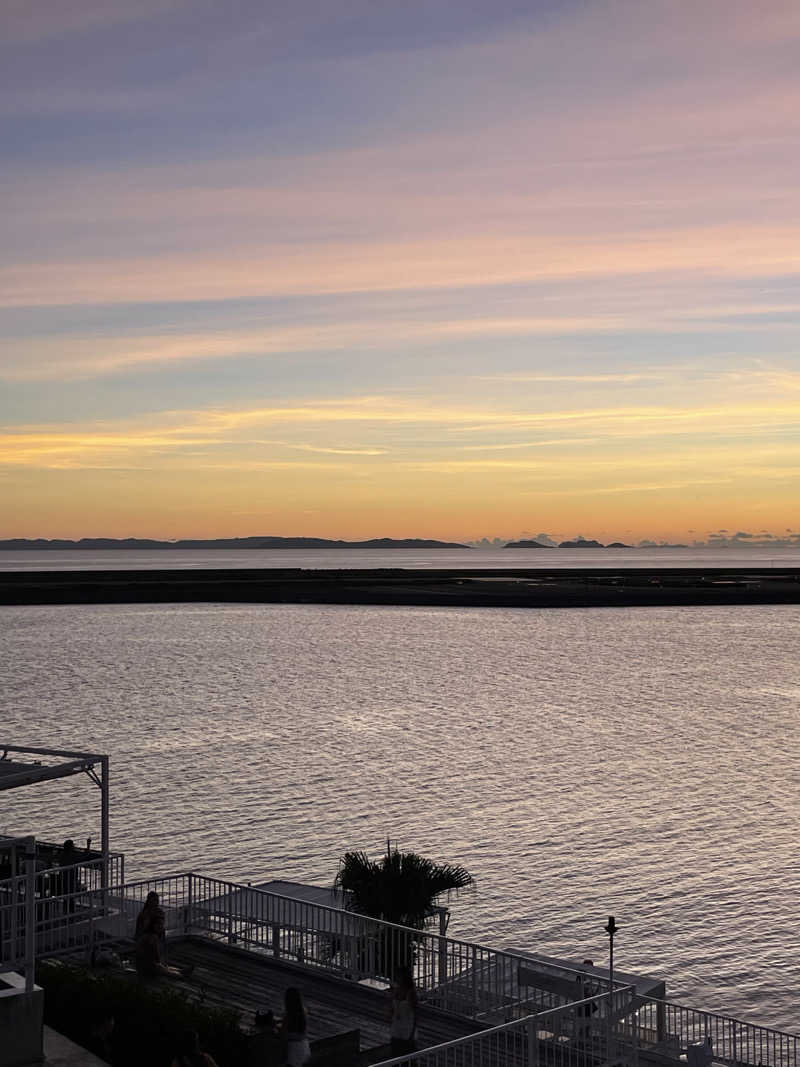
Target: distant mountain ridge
<point>130,543</point>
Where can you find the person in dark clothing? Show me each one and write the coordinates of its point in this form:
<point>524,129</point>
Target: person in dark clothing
<point>149,954</point>
<point>191,1054</point>
<point>403,1012</point>
<point>151,910</point>
<point>293,1028</point>
<point>67,881</point>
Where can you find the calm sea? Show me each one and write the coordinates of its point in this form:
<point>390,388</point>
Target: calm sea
<point>365,559</point>
<point>637,762</point>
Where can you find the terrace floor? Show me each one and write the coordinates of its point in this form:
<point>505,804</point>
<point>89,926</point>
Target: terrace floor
<point>233,977</point>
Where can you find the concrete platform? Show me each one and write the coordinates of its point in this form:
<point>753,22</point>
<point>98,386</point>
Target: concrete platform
<point>59,1051</point>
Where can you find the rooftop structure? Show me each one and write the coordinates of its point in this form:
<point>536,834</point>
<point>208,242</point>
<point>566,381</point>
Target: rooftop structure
<point>18,769</point>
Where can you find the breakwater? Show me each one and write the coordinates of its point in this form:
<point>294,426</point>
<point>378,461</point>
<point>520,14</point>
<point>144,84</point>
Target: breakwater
<point>515,587</point>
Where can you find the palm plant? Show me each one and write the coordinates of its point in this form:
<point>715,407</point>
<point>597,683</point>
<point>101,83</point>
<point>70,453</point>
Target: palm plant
<point>401,887</point>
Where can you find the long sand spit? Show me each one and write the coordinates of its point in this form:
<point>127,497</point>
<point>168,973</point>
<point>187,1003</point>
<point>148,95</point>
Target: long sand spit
<point>512,588</point>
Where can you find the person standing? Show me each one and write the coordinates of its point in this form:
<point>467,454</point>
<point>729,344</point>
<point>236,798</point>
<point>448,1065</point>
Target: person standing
<point>293,1029</point>
<point>68,884</point>
<point>403,1028</point>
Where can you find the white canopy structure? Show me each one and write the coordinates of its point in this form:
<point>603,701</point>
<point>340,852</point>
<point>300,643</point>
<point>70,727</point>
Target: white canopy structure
<point>22,765</point>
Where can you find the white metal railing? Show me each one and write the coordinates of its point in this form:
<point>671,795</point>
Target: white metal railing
<point>459,977</point>
<point>668,1029</point>
<point>17,941</point>
<point>62,901</point>
<point>454,975</point>
<point>574,1035</point>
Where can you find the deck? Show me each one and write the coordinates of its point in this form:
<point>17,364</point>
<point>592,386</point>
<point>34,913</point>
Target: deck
<point>240,979</point>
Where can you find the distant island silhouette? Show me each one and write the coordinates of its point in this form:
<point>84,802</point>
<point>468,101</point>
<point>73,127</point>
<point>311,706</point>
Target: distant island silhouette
<point>130,543</point>
<point>579,542</point>
<point>526,544</point>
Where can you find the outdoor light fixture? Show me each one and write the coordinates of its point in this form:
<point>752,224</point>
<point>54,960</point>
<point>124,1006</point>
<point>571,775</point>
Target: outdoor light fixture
<point>610,928</point>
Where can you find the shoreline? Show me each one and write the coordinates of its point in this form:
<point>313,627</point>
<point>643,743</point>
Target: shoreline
<point>515,587</point>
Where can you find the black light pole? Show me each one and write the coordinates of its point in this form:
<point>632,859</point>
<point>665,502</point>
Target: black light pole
<point>610,928</point>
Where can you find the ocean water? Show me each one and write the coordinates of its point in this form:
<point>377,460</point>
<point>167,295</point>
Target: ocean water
<point>637,762</point>
<point>367,559</point>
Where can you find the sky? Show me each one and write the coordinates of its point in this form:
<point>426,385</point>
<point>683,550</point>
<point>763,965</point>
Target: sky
<point>443,268</point>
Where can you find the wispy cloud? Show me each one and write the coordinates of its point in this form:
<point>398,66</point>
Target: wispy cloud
<point>401,257</point>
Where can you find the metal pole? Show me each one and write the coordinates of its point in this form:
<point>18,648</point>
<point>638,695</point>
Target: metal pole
<point>15,894</point>
<point>442,950</point>
<point>533,1044</point>
<point>30,913</point>
<point>104,815</point>
<point>611,928</point>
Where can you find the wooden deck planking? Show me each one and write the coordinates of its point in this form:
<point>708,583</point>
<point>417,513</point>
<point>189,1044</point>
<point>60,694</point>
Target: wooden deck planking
<point>235,978</point>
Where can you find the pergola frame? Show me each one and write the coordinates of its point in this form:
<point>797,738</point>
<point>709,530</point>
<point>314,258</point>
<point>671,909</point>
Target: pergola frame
<point>15,773</point>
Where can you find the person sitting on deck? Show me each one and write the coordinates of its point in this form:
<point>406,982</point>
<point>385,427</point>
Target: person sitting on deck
<point>151,909</point>
<point>149,955</point>
<point>191,1054</point>
<point>265,1045</point>
<point>293,1029</point>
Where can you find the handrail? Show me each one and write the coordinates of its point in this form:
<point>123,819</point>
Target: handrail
<point>668,1028</point>
<point>559,970</point>
<point>461,977</point>
<point>10,955</point>
<point>568,1036</point>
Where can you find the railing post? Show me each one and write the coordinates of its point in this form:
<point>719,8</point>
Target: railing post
<point>661,1021</point>
<point>474,981</point>
<point>30,913</point>
<point>15,894</point>
<point>635,1031</point>
<point>90,946</point>
<point>442,962</point>
<point>189,909</point>
<point>533,1044</point>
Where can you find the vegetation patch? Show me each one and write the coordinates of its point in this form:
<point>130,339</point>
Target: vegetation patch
<point>148,1021</point>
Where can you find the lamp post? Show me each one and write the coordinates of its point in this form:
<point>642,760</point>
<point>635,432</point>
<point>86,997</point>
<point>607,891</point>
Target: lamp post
<point>610,928</point>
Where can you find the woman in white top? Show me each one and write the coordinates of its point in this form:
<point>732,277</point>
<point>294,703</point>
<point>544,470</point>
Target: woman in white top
<point>403,1031</point>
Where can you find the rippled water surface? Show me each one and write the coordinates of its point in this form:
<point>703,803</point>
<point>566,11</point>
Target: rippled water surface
<point>641,762</point>
<point>765,556</point>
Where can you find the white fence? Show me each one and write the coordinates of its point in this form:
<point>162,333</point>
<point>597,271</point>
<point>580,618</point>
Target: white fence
<point>576,1035</point>
<point>457,976</point>
<point>668,1029</point>
<point>460,977</point>
<point>66,900</point>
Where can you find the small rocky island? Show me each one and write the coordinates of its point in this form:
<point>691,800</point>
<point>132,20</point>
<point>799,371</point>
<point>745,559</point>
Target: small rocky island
<point>579,542</point>
<point>526,544</point>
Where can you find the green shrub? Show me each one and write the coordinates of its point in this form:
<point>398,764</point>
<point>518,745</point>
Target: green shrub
<point>148,1020</point>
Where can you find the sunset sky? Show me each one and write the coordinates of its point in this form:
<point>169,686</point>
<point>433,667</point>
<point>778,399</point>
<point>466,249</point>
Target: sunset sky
<point>445,269</point>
